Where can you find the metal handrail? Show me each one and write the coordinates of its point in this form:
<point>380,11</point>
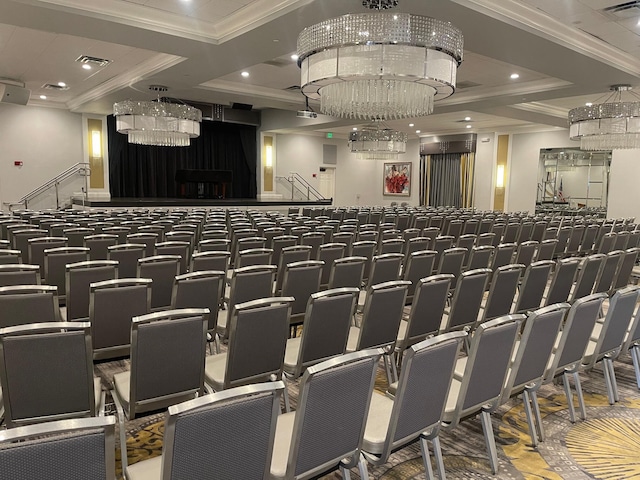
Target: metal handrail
<point>310,188</point>
<point>69,172</point>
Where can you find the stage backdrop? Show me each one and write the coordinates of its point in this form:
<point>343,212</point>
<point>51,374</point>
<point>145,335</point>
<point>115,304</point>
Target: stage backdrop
<point>143,171</point>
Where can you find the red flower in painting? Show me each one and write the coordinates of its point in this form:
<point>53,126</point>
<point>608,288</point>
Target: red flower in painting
<point>395,182</point>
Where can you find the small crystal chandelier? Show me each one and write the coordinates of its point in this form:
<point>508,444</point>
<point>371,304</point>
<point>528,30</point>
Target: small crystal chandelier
<point>610,125</point>
<point>379,65</point>
<point>376,143</point>
<point>157,122</point>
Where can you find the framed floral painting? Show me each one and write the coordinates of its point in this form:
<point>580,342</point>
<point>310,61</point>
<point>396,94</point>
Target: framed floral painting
<point>397,179</point>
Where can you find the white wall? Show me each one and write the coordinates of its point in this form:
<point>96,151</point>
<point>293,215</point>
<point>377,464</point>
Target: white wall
<point>624,185</point>
<point>46,140</point>
<point>358,182</point>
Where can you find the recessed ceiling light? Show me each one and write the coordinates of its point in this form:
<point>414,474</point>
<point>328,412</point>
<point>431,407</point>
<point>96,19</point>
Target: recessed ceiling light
<point>468,126</point>
<point>294,57</point>
<point>43,97</point>
<point>467,119</point>
<point>417,131</point>
<point>411,124</point>
<point>588,104</point>
<point>514,76</point>
<point>355,128</point>
<point>62,84</point>
<point>86,66</point>
<point>245,74</point>
<point>275,40</point>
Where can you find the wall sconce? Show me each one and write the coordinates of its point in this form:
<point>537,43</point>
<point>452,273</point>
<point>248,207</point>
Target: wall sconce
<point>500,176</point>
<point>269,156</point>
<point>96,144</point>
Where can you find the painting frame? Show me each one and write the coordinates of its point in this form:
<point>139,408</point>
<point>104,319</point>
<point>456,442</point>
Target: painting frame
<point>400,187</point>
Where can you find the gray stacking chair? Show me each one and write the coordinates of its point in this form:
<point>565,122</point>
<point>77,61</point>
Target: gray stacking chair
<point>418,265</point>
<point>622,238</point>
<point>485,239</point>
<point>511,233</point>
<point>440,244</point>
<point>606,243</point>
<point>476,388</point>
<point>270,233</point>
<point>627,263</point>
<point>410,233</point>
<point>46,373</point>
<point>526,252</point>
<point>575,240</point>
<point>451,261</point>
<point>279,243</point>
<point>588,239</point>
<point>76,235</point>
<point>467,300</point>
<point>426,313</point>
<point>347,272</point>
<point>99,244</point>
<point>24,304</point>
<point>247,284</point>
<point>181,236</point>
<point>19,274</point>
<point>9,256</point>
<point>329,253</point>
<point>467,242</point>
<point>344,237</point>
<point>392,245</point>
<point>201,289</point>
<point>55,262</point>
<point>454,228</point>
<point>120,232</point>
<point>293,254</point>
<point>215,244</point>
<point>537,234</point>
<point>562,280</point>
<point>27,452</point>
<point>608,272</point>
<point>325,432</point>
<point>527,369</point>
<point>415,244</point>
<point>37,246</point>
<point>162,269</point>
<point>533,285</point>
<point>364,248</point>
<point>314,240</point>
<point>546,249</point>
<point>480,257</point>
<point>127,256</point>
<point>504,285</point>
<point>20,240</point>
<point>607,339</point>
<point>325,330</point>
<point>148,239</point>
<point>564,233</point>
<point>416,410</point>
<point>210,261</point>
<point>179,248</point>
<point>78,279</point>
<point>244,244</point>
<point>301,280</point>
<point>503,255</point>
<point>167,365</point>
<point>238,414</point>
<point>111,327</point>
<point>587,276</point>
<point>257,340</point>
<point>384,268</point>
<point>571,347</point>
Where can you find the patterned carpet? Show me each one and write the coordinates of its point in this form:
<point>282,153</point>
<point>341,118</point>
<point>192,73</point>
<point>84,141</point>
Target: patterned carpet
<point>606,446</point>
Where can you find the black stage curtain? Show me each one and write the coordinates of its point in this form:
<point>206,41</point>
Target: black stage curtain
<point>138,171</point>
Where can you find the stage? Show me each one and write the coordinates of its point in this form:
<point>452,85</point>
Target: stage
<point>195,202</point>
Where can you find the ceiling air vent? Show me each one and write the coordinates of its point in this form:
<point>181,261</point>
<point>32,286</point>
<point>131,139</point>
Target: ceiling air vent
<point>466,84</point>
<point>93,61</point>
<point>623,10</point>
<point>53,86</point>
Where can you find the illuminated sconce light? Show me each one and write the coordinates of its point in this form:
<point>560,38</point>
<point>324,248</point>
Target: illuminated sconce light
<point>96,143</point>
<point>269,156</point>
<point>500,177</point>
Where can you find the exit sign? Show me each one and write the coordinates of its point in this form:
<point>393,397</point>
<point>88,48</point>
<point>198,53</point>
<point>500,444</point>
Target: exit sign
<point>329,134</point>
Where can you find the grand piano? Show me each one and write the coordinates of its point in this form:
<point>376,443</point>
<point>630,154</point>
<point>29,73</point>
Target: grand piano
<point>204,183</point>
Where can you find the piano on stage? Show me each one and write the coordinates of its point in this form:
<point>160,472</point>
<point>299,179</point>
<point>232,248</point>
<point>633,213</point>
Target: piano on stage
<point>204,183</point>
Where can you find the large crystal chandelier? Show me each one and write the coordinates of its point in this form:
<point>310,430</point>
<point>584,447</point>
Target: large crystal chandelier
<point>157,122</point>
<point>610,125</point>
<point>376,143</point>
<point>379,65</point>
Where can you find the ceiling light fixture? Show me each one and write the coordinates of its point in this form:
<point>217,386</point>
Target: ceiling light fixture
<point>379,65</point>
<point>411,124</point>
<point>467,119</point>
<point>294,57</point>
<point>468,126</point>
<point>62,84</point>
<point>158,122</point>
<point>514,76</point>
<point>377,142</point>
<point>245,74</point>
<point>86,66</point>
<point>43,97</point>
<point>612,124</point>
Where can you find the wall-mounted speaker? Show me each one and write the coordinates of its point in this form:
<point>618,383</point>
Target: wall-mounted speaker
<point>14,94</point>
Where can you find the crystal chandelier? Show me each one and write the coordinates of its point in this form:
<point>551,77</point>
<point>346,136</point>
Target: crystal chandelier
<point>375,143</point>
<point>156,122</point>
<point>610,125</point>
<point>379,65</point>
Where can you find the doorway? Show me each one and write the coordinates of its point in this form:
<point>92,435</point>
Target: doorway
<point>327,182</point>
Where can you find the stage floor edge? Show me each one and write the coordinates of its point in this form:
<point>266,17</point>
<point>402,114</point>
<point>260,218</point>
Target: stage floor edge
<point>194,202</point>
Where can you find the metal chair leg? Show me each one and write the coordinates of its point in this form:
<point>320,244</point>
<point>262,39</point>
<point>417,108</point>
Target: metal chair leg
<point>536,412</point>
<point>607,382</point>
<point>426,458</point>
<point>612,375</point>
<point>346,474</point>
<point>569,394</point>
<point>533,432</point>
<point>635,358</point>
<point>578,386</point>
<point>362,468</point>
<point>490,441</point>
<point>437,453</point>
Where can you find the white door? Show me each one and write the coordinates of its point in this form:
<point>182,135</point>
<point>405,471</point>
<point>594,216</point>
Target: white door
<point>327,184</point>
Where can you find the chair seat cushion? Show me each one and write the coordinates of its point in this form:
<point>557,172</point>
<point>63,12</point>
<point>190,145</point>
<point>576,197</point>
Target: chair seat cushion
<point>282,445</point>
<point>291,354</point>
<point>402,331</point>
<point>375,432</point>
<point>452,400</point>
<point>214,370</point>
<point>146,470</point>
<point>97,392</point>
<point>352,341</point>
<point>121,382</point>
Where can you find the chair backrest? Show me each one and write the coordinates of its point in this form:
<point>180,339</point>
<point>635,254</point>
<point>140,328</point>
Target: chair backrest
<point>120,232</point>
<point>418,264</point>
<point>606,242</point>
<point>247,243</point>
<point>19,274</point>
<point>609,271</point>
<point>546,249</point>
<point>485,239</point>
<point>347,272</point>
<point>533,286</point>
<point>210,261</point>
<point>382,314</point>
<point>564,233</point>
<point>511,233</point>
<point>503,255</point>
<point>588,275</point>
<point>78,278</point>
<point>162,269</point>
<point>203,289</point>
<point>364,248</point>
<point>27,452</point>
<point>301,280</point>
<point>326,326</point>
<point>238,414</point>
<point>250,283</point>
<point>98,245</point>
<point>626,267</point>
<point>392,245</point>
<point>384,268</point>
<point>421,394</point>
<point>21,239</point>
<point>258,334</point>
<point>127,256</point>
<point>525,252</point>
<point>537,234</point>
<point>562,280</point>
<point>329,253</point>
<point>440,244</point>
<point>111,327</point>
<point>451,262</point>
<point>487,364</point>
<point>427,309</point>
<point>467,299</point>
<point>293,254</point>
<point>575,335</point>
<point>38,245</point>
<point>535,348</point>
<point>332,411</point>
<point>314,240</point>
<point>76,235</point>
<point>214,244</point>
<point>9,256</point>
<point>575,239</point>
<point>588,239</point>
<point>180,248</point>
<point>480,257</point>
<point>504,284</point>
<point>148,239</point>
<point>621,240</point>
<point>46,372</point>
<point>167,358</point>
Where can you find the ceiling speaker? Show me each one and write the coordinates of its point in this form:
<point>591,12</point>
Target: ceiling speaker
<point>14,94</point>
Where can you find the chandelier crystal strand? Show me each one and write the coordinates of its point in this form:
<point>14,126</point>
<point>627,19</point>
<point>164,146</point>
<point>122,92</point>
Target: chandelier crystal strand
<point>379,65</point>
<point>374,143</point>
<point>610,125</point>
<point>157,123</point>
